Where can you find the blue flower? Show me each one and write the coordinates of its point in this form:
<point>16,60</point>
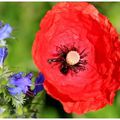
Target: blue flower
<point>3,55</point>
<point>19,84</point>
<point>38,84</point>
<point>5,31</point>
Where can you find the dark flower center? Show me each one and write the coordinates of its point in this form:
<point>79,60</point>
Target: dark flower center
<point>69,59</point>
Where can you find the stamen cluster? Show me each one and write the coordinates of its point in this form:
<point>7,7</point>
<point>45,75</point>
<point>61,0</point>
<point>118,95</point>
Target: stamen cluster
<point>65,67</point>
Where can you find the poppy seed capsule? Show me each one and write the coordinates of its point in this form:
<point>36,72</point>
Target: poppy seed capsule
<point>72,57</point>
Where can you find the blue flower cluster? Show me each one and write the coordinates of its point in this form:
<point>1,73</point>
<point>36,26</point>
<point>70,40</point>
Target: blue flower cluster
<point>21,84</point>
<point>18,83</point>
<point>5,32</point>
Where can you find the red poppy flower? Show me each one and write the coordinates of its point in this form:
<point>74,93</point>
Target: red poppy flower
<point>77,50</point>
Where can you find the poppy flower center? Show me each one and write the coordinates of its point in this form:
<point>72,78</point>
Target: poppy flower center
<point>72,57</point>
<point>69,59</point>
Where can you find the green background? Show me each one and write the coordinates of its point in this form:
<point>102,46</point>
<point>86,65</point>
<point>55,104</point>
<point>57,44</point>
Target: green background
<point>25,18</point>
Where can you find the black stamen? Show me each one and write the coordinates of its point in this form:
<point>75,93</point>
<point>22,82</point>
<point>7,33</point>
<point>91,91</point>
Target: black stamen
<point>84,62</point>
<point>82,51</point>
<point>64,69</point>
<point>53,60</point>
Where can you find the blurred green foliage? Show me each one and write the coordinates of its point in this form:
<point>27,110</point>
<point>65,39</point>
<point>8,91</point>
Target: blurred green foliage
<point>25,18</point>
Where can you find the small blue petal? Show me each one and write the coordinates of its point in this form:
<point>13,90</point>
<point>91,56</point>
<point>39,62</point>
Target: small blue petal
<point>40,78</point>
<point>3,55</point>
<point>14,77</point>
<point>14,91</point>
<point>21,82</point>
<point>18,75</point>
<point>38,89</point>
<point>5,31</point>
<point>39,84</point>
<point>25,90</point>
<point>29,75</point>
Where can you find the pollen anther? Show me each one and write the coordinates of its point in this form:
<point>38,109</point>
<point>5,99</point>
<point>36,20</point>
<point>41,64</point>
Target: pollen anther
<point>72,57</point>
